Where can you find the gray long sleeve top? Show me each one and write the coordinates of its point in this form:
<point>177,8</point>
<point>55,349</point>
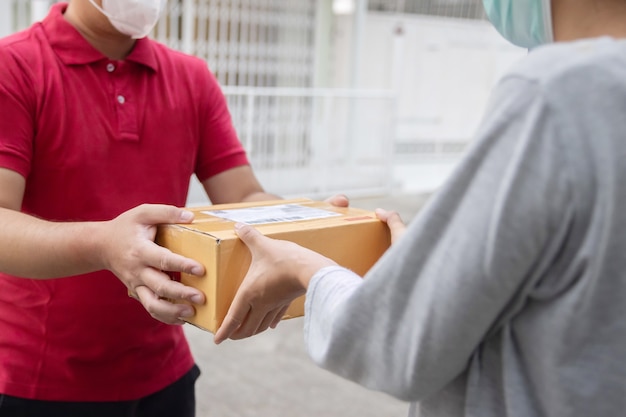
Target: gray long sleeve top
<point>507,294</point>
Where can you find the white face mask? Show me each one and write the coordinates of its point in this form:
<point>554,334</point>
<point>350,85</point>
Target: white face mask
<point>135,18</point>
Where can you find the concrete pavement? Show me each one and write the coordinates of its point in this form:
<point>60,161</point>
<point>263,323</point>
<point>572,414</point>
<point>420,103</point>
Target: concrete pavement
<point>271,375</point>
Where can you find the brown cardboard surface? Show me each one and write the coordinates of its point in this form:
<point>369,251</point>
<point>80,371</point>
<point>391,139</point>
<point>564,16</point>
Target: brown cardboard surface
<point>353,238</point>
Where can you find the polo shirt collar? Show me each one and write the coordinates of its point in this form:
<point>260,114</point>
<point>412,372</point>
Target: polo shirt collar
<point>73,49</point>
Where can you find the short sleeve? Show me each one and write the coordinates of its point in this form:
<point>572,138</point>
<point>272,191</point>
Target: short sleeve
<point>17,113</point>
<point>220,148</point>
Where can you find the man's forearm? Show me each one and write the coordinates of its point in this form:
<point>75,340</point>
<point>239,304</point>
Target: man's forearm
<point>35,248</point>
<point>261,196</point>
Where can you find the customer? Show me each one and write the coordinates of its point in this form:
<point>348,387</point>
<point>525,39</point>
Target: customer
<point>505,296</point>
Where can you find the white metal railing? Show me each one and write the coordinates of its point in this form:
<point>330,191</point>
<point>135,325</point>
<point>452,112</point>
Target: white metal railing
<point>16,15</point>
<point>316,142</point>
<point>246,42</point>
<point>464,9</point>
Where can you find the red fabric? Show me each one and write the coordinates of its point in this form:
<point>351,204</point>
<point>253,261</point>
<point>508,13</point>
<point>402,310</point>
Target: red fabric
<point>86,156</point>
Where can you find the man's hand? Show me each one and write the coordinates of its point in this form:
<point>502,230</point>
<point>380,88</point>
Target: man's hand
<point>338,200</point>
<point>279,272</point>
<point>130,253</point>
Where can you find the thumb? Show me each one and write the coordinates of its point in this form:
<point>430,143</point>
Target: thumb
<point>161,213</point>
<point>248,234</point>
<point>394,222</point>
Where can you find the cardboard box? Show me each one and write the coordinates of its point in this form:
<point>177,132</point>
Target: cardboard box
<point>352,237</point>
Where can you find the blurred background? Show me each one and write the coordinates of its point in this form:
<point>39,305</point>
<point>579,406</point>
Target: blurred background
<point>364,97</point>
<point>377,99</point>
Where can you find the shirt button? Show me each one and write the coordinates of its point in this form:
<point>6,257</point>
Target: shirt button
<point>110,67</point>
<point>121,99</point>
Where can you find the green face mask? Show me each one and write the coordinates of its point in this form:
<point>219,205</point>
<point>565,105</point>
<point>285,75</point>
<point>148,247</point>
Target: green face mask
<point>525,23</point>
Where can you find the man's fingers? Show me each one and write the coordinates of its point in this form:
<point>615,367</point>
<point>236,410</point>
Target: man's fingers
<point>164,287</point>
<point>162,309</point>
<point>161,214</point>
<point>166,260</point>
<point>338,200</point>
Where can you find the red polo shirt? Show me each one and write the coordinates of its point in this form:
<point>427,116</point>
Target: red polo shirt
<point>95,137</point>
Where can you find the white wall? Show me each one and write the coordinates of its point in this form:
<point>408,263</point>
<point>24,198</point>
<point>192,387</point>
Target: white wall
<point>441,69</point>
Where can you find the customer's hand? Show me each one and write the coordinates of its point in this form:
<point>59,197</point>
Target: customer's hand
<point>129,251</point>
<point>394,222</point>
<point>279,272</point>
